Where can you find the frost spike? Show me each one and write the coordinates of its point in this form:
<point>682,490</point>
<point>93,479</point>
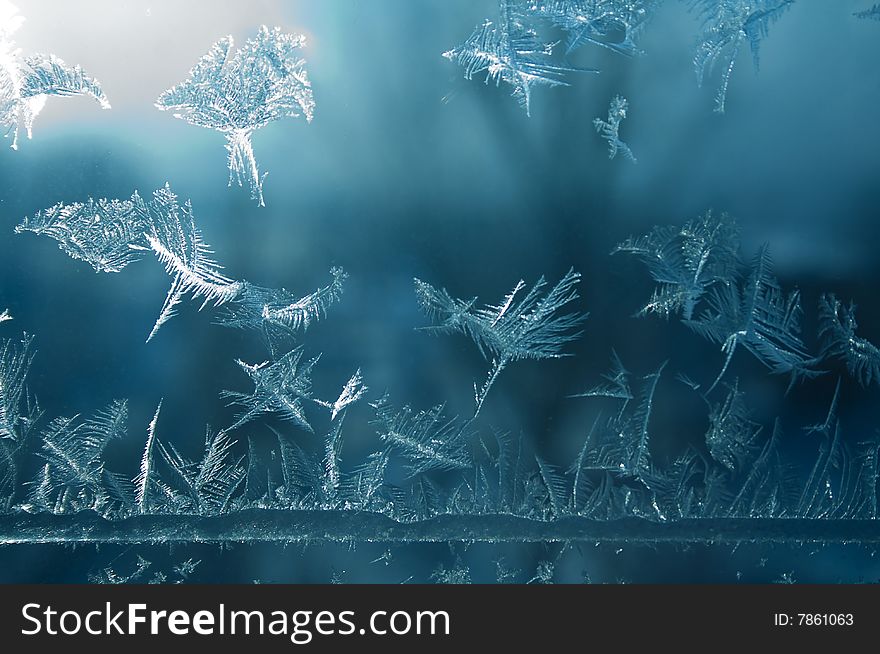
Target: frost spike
<point>17,411</point>
<point>353,391</point>
<point>143,479</point>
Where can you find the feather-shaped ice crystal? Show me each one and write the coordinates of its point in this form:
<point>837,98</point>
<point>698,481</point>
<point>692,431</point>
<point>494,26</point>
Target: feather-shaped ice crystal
<point>27,82</point>
<point>236,94</point>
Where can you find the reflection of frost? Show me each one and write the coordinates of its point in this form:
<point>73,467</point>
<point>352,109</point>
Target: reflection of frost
<point>27,82</point>
<point>239,93</point>
<point>180,573</point>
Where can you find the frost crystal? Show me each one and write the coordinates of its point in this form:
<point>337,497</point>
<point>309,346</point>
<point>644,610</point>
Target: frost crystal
<point>110,576</point>
<point>279,387</point>
<point>732,434</point>
<point>106,234</point>
<point>616,384</point>
<point>528,326</point>
<point>178,244</point>
<point>27,82</point>
<point>257,307</point>
<point>205,487</point>
<point>144,482</point>
<point>429,439</point>
<point>510,52</point>
<point>728,25</point>
<point>621,445</point>
<point>842,481</point>
<point>111,234</point>
<point>237,94</point>
<point>18,411</point>
<point>760,317</point>
<point>74,476</point>
<point>610,129</point>
<point>698,263</point>
<point>838,332</point>
<point>353,391</point>
<point>686,261</point>
<point>612,24</point>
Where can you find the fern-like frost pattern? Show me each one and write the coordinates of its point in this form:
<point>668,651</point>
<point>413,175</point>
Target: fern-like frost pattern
<point>238,93</point>
<point>428,467</point>
<point>685,262</point>
<point>509,51</point>
<point>729,26</point>
<point>526,324</point>
<point>615,473</point>
<point>26,82</point>
<point>840,341</point>
<point>111,234</point>
<point>613,24</point>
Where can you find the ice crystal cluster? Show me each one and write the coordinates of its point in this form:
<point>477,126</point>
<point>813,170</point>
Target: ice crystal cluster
<point>111,234</point>
<point>697,267</point>
<point>27,82</point>
<point>729,26</point>
<point>525,325</point>
<point>454,466</point>
<point>509,49</point>
<point>613,24</point>
<point>237,93</point>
